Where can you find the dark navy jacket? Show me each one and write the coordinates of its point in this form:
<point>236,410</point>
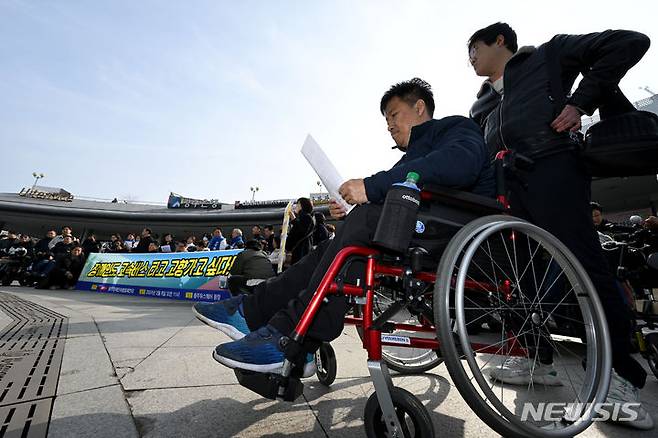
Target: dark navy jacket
<point>449,152</point>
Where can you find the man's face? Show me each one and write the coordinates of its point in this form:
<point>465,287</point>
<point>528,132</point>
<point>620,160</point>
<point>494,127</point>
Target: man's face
<point>597,217</point>
<point>255,231</point>
<point>216,233</point>
<point>145,232</point>
<point>51,234</point>
<point>66,231</point>
<point>267,232</point>
<point>181,247</point>
<point>67,240</point>
<point>401,117</point>
<point>76,251</point>
<point>484,58</point>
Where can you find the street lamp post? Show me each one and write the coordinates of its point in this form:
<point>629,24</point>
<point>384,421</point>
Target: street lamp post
<point>253,192</point>
<point>319,183</point>
<point>37,177</point>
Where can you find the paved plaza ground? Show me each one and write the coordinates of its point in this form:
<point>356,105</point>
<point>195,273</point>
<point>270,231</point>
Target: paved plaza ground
<point>142,367</point>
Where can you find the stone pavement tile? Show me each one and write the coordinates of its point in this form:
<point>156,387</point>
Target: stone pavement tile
<point>98,413</point>
<point>142,332</point>
<point>339,408</point>
<point>126,359</point>
<point>178,367</point>
<point>197,334</point>
<point>85,365</point>
<point>351,359</point>
<point>223,411</point>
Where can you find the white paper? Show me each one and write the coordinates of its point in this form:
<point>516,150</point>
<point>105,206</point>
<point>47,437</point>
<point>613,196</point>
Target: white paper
<point>325,169</point>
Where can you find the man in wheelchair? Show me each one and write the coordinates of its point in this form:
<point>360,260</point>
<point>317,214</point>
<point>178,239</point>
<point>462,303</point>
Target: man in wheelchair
<point>449,152</point>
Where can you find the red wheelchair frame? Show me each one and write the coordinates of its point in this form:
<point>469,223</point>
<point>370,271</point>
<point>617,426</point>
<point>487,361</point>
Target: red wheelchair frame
<point>372,337</point>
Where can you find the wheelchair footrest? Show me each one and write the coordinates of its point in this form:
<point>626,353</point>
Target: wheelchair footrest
<point>271,386</point>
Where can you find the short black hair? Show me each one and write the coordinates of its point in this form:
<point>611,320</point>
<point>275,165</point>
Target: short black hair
<point>269,227</point>
<point>254,244</point>
<point>489,34</point>
<point>410,91</point>
<point>595,206</point>
<point>148,230</point>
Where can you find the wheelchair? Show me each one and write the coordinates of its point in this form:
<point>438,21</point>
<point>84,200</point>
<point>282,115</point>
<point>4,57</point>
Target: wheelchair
<point>476,290</point>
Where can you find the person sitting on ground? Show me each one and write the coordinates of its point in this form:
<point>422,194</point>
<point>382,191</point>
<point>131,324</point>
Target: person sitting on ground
<point>251,266</point>
<point>448,152</point>
<point>601,224</point>
<point>218,242</point>
<point>277,254</point>
<point>63,247</point>
<point>42,256</point>
<point>168,244</point>
<point>236,239</point>
<point>202,245</point>
<point>117,247</point>
<point>7,242</point>
<point>66,231</point>
<point>129,243</point>
<point>142,245</point>
<point>256,233</point>
<point>268,233</point>
<point>90,245</point>
<point>67,269</point>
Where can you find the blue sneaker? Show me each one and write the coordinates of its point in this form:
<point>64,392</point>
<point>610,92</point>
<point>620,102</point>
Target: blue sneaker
<point>259,351</point>
<point>225,315</point>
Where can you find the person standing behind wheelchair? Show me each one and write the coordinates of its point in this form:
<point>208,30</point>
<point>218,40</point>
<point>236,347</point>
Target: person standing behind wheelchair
<point>528,122</point>
<point>300,237</point>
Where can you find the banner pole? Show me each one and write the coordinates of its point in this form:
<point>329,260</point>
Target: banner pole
<point>284,236</point>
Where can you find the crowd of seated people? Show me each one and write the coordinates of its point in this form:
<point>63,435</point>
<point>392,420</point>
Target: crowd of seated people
<point>56,259</point>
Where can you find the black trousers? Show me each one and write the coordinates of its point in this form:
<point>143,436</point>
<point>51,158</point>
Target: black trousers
<point>555,195</point>
<point>281,300</point>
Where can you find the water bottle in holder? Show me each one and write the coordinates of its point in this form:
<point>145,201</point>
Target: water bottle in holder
<point>397,222</point>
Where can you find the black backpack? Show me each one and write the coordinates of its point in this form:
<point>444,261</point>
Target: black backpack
<point>623,143</point>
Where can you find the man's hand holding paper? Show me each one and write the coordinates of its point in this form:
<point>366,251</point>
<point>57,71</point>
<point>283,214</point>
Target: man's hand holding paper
<point>353,191</point>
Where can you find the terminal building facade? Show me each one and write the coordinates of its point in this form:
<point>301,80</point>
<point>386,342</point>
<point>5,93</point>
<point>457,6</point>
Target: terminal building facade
<point>36,210</point>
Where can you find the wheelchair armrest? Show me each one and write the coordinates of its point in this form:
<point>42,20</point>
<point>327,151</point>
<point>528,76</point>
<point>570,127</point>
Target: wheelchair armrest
<point>461,199</point>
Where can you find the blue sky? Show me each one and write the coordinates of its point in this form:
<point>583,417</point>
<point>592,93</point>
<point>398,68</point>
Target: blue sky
<point>207,98</point>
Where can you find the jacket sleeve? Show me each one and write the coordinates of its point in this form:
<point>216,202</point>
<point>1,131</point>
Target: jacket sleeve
<point>456,160</point>
<point>602,58</point>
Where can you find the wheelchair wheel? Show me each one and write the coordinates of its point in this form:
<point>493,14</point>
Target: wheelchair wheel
<point>402,359</point>
<point>651,341</point>
<point>547,305</point>
<point>326,366</point>
<point>414,418</point>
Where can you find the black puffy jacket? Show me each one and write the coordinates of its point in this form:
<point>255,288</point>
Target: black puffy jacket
<point>521,119</point>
